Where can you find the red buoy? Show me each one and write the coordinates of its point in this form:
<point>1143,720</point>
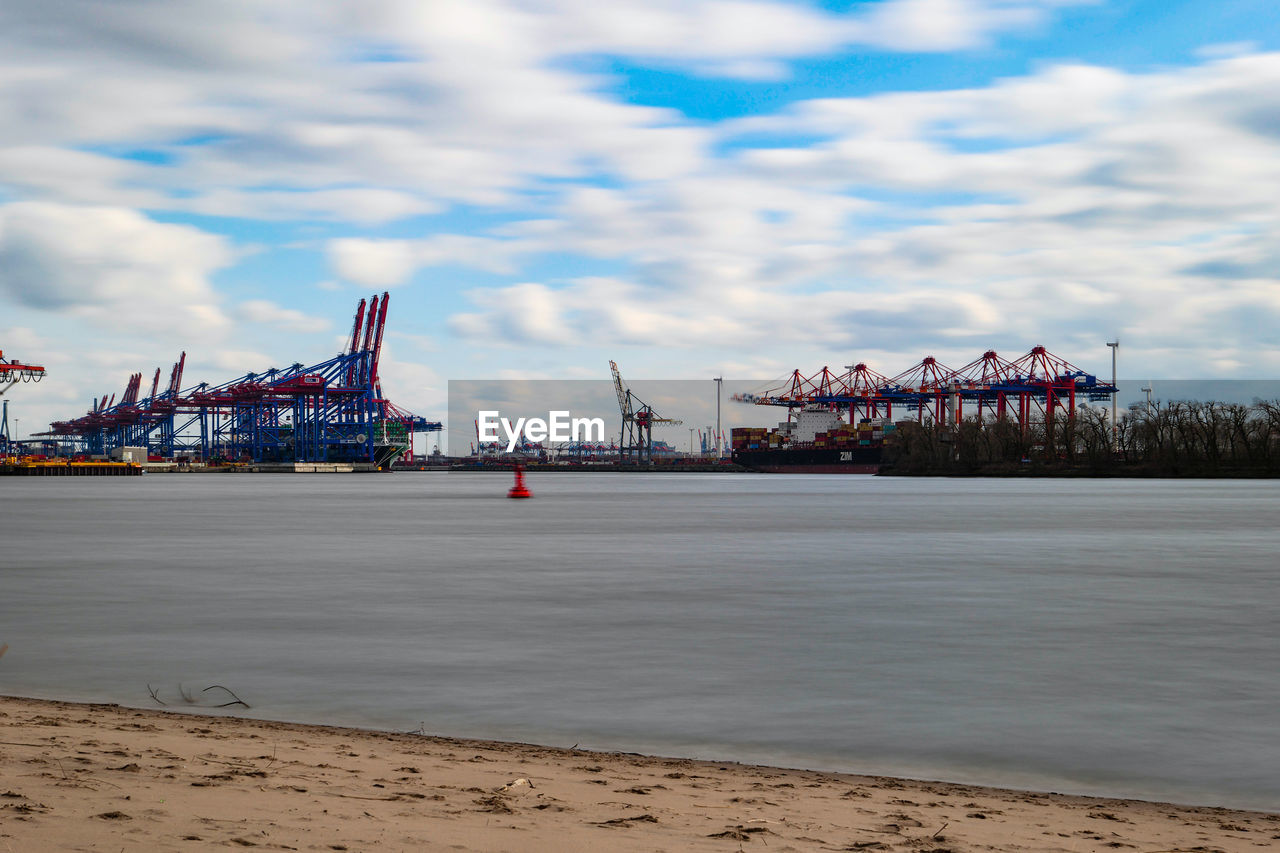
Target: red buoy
<point>519,490</point>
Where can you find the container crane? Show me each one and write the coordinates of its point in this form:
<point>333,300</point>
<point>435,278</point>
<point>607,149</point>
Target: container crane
<point>333,411</point>
<point>11,373</point>
<point>638,418</point>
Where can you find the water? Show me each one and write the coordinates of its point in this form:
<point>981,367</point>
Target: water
<point>1111,637</point>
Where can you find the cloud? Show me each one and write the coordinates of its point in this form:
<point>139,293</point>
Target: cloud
<point>290,112</point>
<point>369,206</point>
<point>603,312</point>
<point>413,386</point>
<point>269,313</point>
<point>388,263</point>
<point>943,25</point>
<point>424,343</point>
<point>1067,205</point>
<point>1045,206</point>
<point>110,265</point>
<point>240,361</point>
<point>377,263</point>
<point>529,314</point>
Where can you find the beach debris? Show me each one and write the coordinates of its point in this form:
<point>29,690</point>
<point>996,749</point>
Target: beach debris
<point>516,785</point>
<point>235,700</point>
<point>192,700</point>
<point>627,821</point>
<point>494,805</point>
<point>739,832</point>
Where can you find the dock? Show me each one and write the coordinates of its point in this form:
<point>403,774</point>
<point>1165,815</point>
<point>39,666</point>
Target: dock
<point>13,467</point>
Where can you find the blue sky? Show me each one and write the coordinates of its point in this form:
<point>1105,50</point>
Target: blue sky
<point>691,188</point>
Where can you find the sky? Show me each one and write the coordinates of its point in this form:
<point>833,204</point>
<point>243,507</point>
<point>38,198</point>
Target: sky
<point>692,188</point>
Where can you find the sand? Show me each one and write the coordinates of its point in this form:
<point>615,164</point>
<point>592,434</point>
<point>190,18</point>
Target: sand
<point>107,778</point>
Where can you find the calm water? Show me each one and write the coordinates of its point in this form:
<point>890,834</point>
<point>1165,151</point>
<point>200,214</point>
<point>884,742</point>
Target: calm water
<point>1095,636</point>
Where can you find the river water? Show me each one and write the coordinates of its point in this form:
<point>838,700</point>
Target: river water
<point>1094,636</point>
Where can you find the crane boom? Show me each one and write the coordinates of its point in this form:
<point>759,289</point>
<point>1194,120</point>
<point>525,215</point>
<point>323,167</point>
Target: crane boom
<point>13,372</point>
<point>638,418</point>
<point>624,395</point>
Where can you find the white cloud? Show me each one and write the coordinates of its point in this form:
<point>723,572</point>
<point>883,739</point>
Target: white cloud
<point>112,266</point>
<point>271,113</point>
<point>424,343</point>
<point>388,263</point>
<point>941,25</point>
<point>19,338</point>
<point>357,206</point>
<point>377,263</point>
<point>1071,204</point>
<point>239,361</point>
<point>269,313</point>
<point>1227,49</point>
<point>528,314</point>
<point>413,386</point>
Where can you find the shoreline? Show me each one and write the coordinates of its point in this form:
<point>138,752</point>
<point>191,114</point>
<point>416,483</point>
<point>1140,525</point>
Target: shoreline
<point>79,775</point>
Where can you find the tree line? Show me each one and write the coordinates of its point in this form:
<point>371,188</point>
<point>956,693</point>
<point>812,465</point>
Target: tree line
<point>1179,438</point>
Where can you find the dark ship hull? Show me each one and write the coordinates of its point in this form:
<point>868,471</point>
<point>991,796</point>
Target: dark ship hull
<point>812,460</point>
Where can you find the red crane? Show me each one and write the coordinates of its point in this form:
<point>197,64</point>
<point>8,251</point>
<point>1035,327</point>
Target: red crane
<point>11,373</point>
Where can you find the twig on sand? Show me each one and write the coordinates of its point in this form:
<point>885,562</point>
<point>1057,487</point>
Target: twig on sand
<point>243,764</point>
<point>390,798</point>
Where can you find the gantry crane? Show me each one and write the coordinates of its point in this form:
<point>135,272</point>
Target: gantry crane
<point>638,418</point>
<point>333,411</point>
<point>11,373</point>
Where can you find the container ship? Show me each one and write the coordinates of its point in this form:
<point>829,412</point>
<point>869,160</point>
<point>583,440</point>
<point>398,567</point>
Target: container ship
<point>816,442</point>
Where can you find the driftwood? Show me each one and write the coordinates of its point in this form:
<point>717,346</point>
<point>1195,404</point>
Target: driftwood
<point>191,700</point>
<point>235,700</point>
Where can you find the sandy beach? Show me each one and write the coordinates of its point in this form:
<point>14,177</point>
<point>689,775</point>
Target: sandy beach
<point>103,777</point>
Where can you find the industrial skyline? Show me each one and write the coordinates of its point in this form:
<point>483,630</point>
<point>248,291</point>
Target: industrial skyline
<point>694,189</point>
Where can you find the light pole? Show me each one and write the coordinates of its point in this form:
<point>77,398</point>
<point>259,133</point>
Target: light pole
<point>852,415</point>
<point>719,380</point>
<point>1115,425</point>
